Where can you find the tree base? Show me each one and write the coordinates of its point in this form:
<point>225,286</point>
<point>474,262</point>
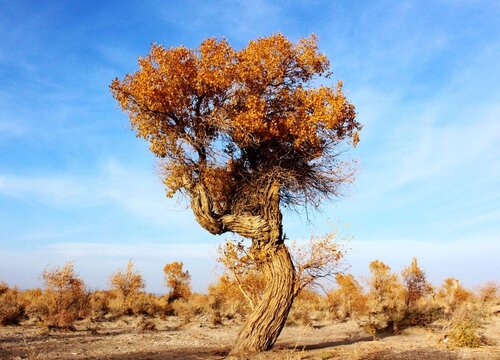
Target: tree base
<point>264,325</point>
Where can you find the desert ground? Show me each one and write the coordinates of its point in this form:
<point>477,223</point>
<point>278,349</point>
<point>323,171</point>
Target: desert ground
<point>152,338</point>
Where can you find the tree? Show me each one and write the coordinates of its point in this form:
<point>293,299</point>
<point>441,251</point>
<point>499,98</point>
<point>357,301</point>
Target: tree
<point>243,133</point>
<point>415,282</point>
<point>128,282</point>
<point>385,298</point>
<point>178,280</point>
<point>65,299</point>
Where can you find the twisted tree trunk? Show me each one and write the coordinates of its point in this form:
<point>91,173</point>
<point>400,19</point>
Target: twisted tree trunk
<point>264,325</point>
<point>264,227</point>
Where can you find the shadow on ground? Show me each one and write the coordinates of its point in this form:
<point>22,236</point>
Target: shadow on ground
<point>327,344</point>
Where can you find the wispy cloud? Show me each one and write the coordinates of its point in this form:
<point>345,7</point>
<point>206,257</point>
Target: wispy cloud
<point>136,191</point>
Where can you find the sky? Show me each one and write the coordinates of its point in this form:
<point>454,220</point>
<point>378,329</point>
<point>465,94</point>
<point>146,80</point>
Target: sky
<point>77,185</point>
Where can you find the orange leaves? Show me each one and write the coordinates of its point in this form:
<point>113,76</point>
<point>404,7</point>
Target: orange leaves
<point>262,86</point>
<point>185,102</point>
<point>216,66</point>
<point>178,280</point>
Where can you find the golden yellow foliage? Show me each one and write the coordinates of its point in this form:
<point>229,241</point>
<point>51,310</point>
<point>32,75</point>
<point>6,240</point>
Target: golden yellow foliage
<point>127,282</point>
<point>177,280</point>
<point>185,101</point>
<point>348,300</point>
<point>386,298</point>
<point>415,283</point>
<point>452,294</point>
<point>65,299</point>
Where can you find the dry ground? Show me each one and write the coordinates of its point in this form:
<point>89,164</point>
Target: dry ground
<point>124,339</point>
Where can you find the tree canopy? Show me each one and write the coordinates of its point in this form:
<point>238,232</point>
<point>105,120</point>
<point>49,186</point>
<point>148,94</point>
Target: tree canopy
<point>229,122</point>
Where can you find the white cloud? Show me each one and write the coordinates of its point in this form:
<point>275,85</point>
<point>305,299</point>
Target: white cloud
<point>137,191</point>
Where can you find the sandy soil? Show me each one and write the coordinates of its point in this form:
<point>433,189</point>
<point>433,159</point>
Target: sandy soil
<point>124,339</point>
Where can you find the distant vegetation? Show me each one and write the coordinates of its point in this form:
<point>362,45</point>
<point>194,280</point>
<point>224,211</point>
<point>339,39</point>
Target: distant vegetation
<point>384,303</point>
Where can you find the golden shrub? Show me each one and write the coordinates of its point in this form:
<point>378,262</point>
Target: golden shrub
<point>177,280</point>
<point>488,293</point>
<point>386,299</point>
<point>306,308</point>
<point>348,300</point>
<point>464,334</point>
<point>11,308</point>
<point>99,303</point>
<point>415,283</point>
<point>452,295</point>
<point>126,294</point>
<point>65,299</point>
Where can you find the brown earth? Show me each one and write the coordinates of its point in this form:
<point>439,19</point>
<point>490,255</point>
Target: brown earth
<point>125,339</point>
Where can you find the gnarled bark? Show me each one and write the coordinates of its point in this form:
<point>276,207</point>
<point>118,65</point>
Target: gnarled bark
<point>264,325</point>
<point>268,318</point>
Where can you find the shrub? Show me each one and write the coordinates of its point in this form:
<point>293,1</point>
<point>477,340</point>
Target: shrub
<point>305,309</point>
<point>127,282</point>
<point>186,310</point>
<point>99,303</point>
<point>178,280</point>
<point>3,287</point>
<point>32,300</point>
<point>386,299</point>
<point>65,300</point>
<point>229,300</point>
<point>348,300</point>
<point>143,303</point>
<point>464,334</point>
<point>11,309</point>
<point>127,291</point>
<point>452,295</point>
<point>415,283</point>
<point>488,293</point>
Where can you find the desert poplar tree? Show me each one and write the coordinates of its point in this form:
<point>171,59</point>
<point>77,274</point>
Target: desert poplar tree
<point>243,133</point>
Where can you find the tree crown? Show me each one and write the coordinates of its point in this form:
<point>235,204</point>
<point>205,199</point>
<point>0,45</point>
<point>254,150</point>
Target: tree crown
<point>229,118</point>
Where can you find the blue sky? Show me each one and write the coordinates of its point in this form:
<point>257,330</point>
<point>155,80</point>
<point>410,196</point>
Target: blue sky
<point>75,183</point>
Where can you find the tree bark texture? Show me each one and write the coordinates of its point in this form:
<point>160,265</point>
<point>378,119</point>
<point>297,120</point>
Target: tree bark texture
<point>264,227</point>
<point>264,325</point>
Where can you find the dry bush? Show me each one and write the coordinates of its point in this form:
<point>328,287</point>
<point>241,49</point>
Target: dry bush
<point>348,300</point>
<point>99,303</point>
<point>227,300</point>
<point>415,283</point>
<point>11,308</point>
<point>464,334</point>
<point>127,291</point>
<point>32,300</point>
<point>127,282</point>
<point>307,307</point>
<point>465,324</point>
<point>466,312</point>
<point>452,295</point>
<point>144,303</point>
<point>147,324</point>
<point>319,259</point>
<point>65,299</point>
<point>187,310</point>
<point>3,287</point>
<point>386,299</point>
<point>241,273</point>
<point>178,281</point>
<point>488,293</point>
<point>420,309</point>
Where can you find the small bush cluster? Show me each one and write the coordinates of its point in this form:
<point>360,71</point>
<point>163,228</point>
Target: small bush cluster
<point>11,308</point>
<point>388,301</point>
